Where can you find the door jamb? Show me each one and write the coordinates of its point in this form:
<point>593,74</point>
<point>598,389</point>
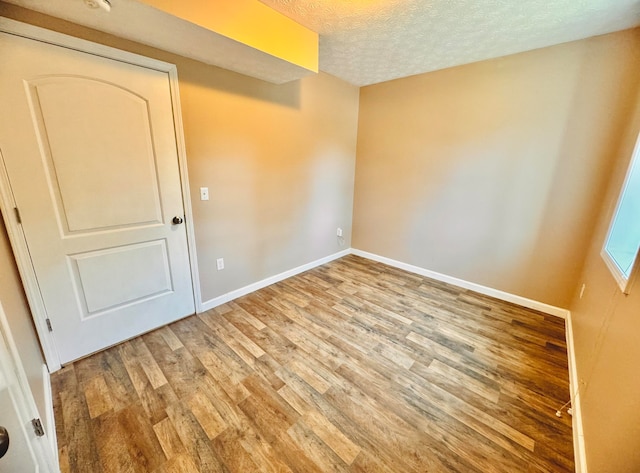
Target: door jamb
<point>7,203</point>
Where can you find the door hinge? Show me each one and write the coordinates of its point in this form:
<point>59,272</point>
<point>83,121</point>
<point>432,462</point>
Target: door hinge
<point>37,427</point>
<point>18,217</point>
<point>49,325</point>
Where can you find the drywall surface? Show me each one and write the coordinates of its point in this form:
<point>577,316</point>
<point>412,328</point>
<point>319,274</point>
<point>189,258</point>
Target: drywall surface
<point>280,170</point>
<point>493,172</point>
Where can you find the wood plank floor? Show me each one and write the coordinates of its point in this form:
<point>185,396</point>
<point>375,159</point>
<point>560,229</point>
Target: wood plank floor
<point>351,367</point>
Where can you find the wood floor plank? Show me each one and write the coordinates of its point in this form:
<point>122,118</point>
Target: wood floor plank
<point>140,439</point>
<point>98,397</point>
<point>353,366</point>
<point>243,347</point>
<point>206,415</point>
<point>149,365</point>
<point>121,389</point>
<point>332,436</point>
<point>63,456</point>
<point>82,452</point>
<point>172,340</point>
<point>231,451</point>
<point>195,439</point>
<point>217,369</point>
<point>114,451</point>
<point>315,449</point>
<point>168,438</point>
<point>180,464</point>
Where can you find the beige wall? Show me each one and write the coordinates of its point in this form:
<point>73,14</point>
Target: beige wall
<point>280,169</point>
<point>278,160</point>
<point>606,327</point>
<point>491,172</point>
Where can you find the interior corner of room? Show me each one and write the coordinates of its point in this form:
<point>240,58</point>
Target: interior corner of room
<point>499,176</point>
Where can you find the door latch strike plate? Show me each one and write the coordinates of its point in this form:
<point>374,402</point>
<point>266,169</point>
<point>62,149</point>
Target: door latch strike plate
<point>37,427</point>
<point>49,325</point>
<point>18,217</point>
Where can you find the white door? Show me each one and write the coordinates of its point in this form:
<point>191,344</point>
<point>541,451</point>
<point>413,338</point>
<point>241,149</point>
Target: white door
<point>26,452</point>
<point>89,145</point>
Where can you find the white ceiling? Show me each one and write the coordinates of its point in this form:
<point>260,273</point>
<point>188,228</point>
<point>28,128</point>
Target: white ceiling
<point>370,41</point>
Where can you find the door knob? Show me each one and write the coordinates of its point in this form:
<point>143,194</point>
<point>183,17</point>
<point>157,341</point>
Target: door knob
<point>4,441</point>
<point>177,220</point>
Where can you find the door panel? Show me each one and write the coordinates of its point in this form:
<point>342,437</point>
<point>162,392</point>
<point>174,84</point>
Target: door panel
<point>90,150</point>
<point>139,271</point>
<point>79,123</point>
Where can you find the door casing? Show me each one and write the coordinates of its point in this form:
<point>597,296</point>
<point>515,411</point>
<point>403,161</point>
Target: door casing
<point>7,203</point>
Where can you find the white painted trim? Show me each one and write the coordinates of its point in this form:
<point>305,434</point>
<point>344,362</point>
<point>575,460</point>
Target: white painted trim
<point>184,180</point>
<point>14,230</point>
<point>504,296</point>
<point>43,35</point>
<point>243,291</point>
<point>50,419</point>
<point>580,454</point>
<point>487,291</point>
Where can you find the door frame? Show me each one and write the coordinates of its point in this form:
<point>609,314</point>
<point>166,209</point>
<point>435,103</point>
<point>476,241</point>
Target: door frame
<point>7,202</point>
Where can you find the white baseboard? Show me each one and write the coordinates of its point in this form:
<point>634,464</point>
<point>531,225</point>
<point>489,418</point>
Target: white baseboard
<point>505,296</point>
<point>579,450</point>
<point>487,291</point>
<point>243,291</point>
<point>50,420</point>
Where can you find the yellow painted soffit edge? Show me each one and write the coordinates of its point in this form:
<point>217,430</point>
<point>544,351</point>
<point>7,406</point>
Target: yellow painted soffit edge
<point>252,23</point>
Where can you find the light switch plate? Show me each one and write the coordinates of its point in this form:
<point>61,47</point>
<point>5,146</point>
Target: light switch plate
<point>204,193</point>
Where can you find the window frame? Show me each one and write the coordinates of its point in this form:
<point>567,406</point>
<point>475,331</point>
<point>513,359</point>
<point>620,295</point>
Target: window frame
<point>622,280</point>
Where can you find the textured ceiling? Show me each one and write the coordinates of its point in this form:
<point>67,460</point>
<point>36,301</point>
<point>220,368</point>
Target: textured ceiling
<point>370,41</point>
<point>367,41</point>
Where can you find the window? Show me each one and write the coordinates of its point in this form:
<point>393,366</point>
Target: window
<point>623,241</point>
